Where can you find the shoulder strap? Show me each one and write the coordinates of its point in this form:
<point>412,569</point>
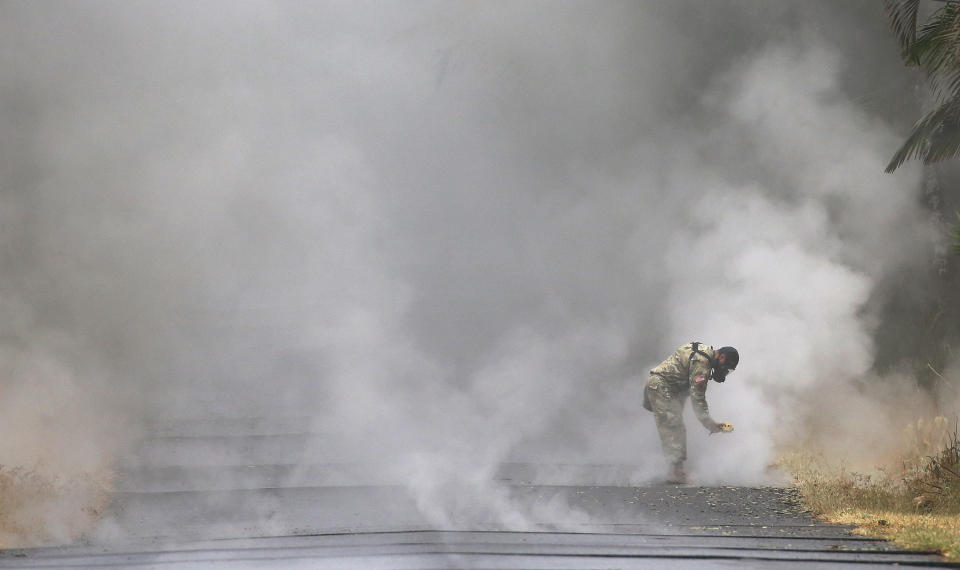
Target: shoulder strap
<point>696,350</point>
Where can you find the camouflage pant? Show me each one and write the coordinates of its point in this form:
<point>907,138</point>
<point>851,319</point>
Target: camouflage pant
<point>668,413</point>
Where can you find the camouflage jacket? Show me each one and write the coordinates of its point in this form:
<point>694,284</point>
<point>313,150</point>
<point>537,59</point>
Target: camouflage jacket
<point>685,373</point>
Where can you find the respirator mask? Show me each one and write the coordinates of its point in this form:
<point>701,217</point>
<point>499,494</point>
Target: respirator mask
<point>720,372</point>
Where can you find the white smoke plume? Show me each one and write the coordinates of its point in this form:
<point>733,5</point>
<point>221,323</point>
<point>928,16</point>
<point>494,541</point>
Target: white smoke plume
<point>454,234</point>
<point>802,252</point>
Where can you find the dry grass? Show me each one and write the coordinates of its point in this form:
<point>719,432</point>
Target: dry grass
<point>913,531</point>
<point>827,486</point>
<point>916,504</point>
<point>40,508</point>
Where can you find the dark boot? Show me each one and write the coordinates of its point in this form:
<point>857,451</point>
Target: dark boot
<point>677,474</point>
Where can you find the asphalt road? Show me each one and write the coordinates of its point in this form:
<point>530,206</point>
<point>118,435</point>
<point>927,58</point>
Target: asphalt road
<point>176,508</point>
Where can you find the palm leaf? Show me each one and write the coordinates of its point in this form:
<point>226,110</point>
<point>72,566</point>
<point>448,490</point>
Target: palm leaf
<point>934,137</point>
<point>956,236</point>
<point>903,20</point>
<point>936,47</point>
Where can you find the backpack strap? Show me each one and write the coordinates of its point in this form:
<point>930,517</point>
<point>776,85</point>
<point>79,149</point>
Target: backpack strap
<point>696,350</point>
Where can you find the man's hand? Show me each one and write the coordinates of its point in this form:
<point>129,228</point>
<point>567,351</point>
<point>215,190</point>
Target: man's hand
<point>723,427</point>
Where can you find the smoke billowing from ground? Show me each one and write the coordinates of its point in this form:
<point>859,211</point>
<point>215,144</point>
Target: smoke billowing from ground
<point>455,234</point>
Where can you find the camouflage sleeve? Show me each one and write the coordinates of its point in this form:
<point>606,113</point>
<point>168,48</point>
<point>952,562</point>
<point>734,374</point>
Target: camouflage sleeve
<point>699,378</point>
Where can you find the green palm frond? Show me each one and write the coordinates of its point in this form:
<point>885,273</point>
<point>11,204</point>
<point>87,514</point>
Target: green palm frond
<point>956,236</point>
<point>903,20</point>
<point>935,49</point>
<point>935,137</point>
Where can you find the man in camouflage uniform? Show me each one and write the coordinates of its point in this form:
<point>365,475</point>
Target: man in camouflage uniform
<point>685,373</point>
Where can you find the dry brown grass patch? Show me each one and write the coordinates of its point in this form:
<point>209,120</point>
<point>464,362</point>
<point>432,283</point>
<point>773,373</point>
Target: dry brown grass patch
<point>916,503</point>
<point>913,531</point>
<point>37,507</point>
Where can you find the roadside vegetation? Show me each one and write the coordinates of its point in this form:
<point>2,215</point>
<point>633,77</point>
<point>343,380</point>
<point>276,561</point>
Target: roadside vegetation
<point>915,504</point>
<point>37,508</point>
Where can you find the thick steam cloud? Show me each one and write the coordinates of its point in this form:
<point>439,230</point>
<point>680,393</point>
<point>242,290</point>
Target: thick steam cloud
<point>454,234</point>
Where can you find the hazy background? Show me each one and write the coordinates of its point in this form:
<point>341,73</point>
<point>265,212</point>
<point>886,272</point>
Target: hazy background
<point>457,233</point>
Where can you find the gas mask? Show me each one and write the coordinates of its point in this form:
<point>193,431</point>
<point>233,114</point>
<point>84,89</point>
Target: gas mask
<point>720,372</point>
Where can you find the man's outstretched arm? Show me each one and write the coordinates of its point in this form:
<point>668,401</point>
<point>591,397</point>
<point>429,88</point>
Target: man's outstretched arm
<point>699,378</point>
